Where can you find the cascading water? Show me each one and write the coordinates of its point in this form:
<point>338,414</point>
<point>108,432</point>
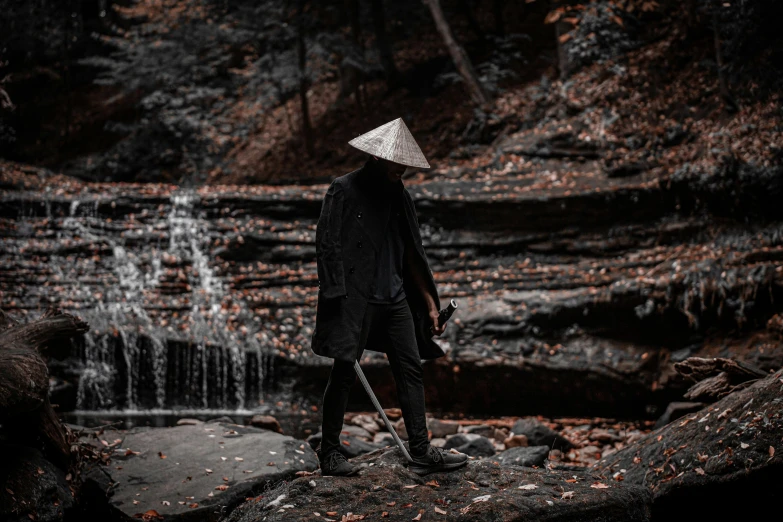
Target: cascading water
<point>130,361</point>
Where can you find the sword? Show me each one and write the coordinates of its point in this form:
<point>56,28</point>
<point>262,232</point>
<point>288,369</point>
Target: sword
<point>443,316</point>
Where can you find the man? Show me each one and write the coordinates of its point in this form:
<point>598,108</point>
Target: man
<point>376,291</point>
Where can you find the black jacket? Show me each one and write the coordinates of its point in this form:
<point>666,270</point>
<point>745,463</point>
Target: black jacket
<point>348,239</point>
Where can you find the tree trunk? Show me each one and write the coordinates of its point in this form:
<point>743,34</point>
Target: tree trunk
<point>356,32</point>
<point>384,45</point>
<point>461,59</point>
<point>28,417</point>
<point>728,100</point>
<point>472,22</point>
<point>307,127</point>
<point>497,11</point>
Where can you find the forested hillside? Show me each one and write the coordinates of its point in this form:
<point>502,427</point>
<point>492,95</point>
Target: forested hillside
<point>238,91</point>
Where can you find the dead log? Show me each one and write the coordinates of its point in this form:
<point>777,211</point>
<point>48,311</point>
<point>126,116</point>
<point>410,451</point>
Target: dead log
<point>53,325</point>
<point>698,368</point>
<point>714,388</point>
<point>716,378</point>
<point>24,383</point>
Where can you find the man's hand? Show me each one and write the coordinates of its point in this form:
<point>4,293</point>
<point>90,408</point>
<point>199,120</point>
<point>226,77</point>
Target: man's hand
<point>434,318</point>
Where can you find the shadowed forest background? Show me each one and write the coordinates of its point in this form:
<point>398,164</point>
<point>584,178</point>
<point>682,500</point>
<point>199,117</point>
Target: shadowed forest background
<point>604,204</point>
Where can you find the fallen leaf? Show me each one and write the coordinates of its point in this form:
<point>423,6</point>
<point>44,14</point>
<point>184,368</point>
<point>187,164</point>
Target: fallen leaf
<point>385,514</point>
<point>771,452</point>
<point>238,459</point>
<point>567,495</point>
<point>221,487</point>
<point>433,483</point>
<point>194,505</point>
<point>411,486</point>
<point>392,503</point>
<point>161,455</point>
<point>406,506</point>
<point>440,511</point>
<point>528,487</point>
<point>417,517</point>
<point>699,471</point>
<point>599,485</point>
<point>332,513</point>
<point>744,445</point>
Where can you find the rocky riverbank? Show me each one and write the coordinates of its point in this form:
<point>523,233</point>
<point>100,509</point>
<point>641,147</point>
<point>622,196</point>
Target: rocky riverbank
<point>582,312</point>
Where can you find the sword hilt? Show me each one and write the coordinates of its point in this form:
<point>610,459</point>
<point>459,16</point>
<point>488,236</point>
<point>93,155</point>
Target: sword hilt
<point>445,314</point>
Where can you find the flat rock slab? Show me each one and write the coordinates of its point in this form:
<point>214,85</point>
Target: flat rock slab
<point>480,491</point>
<point>198,472</point>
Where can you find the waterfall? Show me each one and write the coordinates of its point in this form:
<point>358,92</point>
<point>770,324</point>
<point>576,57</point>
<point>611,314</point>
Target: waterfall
<point>129,361</point>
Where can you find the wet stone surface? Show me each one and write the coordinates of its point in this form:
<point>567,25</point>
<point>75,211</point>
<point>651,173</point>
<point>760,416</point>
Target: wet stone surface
<point>481,491</point>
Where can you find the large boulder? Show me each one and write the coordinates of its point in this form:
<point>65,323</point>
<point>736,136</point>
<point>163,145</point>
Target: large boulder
<point>480,491</point>
<point>730,449</point>
<point>196,472</point>
<point>539,435</point>
<point>521,456</point>
<point>32,487</point>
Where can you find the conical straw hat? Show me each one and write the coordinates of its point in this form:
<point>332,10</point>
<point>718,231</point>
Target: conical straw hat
<point>394,142</point>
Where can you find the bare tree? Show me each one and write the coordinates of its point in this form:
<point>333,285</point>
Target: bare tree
<point>307,126</point>
<point>383,43</point>
<point>458,54</point>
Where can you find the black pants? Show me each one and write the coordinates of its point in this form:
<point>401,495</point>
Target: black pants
<point>396,321</point>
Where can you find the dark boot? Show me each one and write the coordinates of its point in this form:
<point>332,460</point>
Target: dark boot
<point>335,464</point>
<point>436,459</point>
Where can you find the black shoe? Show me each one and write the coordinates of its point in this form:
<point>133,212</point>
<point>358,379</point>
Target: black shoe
<point>436,459</point>
<point>335,464</point>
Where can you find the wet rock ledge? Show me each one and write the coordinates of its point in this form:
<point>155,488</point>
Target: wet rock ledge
<point>191,472</point>
<point>483,490</point>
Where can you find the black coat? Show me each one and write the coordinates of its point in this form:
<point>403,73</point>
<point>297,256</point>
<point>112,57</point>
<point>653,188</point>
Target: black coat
<point>348,238</point>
